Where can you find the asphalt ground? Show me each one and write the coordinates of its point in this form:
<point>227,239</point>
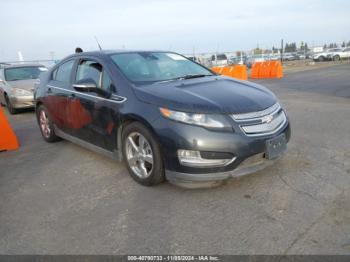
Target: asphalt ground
<point>62,199</point>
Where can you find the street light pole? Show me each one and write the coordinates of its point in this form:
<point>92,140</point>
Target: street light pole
<point>281,51</point>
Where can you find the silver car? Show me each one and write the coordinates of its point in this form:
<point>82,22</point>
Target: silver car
<point>17,85</point>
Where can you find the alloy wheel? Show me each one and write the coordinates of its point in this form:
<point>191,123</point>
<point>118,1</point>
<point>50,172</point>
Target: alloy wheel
<point>44,124</point>
<point>139,155</point>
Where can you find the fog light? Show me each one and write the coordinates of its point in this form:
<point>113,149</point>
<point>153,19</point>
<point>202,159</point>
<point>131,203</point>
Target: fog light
<point>194,159</point>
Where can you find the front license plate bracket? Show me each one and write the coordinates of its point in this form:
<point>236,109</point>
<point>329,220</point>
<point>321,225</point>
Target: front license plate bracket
<point>276,146</point>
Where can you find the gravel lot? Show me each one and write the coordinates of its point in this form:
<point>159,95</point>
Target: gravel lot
<point>62,199</point>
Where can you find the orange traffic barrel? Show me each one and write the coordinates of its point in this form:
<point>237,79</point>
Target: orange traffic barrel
<point>226,71</point>
<point>240,72</point>
<point>255,71</point>
<point>265,70</point>
<point>276,70</point>
<point>8,139</point>
<point>217,69</point>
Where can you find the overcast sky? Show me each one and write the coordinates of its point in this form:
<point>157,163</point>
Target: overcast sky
<point>37,27</point>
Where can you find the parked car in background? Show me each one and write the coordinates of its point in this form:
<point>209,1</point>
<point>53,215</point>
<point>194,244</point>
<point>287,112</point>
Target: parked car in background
<point>301,55</point>
<point>338,55</point>
<point>250,60</point>
<point>194,59</point>
<point>219,60</point>
<point>288,57</point>
<point>274,57</point>
<point>326,55</point>
<point>238,60</point>
<point>17,85</point>
<point>166,116</point>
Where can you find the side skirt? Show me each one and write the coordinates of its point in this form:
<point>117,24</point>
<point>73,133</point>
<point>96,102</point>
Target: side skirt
<point>115,155</point>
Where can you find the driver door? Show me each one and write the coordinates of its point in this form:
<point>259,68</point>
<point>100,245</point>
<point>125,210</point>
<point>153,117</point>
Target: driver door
<point>91,115</point>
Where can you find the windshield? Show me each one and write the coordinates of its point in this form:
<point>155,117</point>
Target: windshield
<point>23,73</point>
<point>148,67</point>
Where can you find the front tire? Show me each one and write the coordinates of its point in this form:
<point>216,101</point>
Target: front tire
<point>336,58</point>
<point>142,155</point>
<point>46,125</point>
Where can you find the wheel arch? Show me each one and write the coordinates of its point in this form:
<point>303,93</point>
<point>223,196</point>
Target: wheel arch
<point>128,119</point>
<point>38,103</point>
<point>3,97</point>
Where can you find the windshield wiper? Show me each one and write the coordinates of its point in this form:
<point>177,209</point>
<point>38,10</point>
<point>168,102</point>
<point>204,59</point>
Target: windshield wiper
<point>192,76</point>
<point>183,78</point>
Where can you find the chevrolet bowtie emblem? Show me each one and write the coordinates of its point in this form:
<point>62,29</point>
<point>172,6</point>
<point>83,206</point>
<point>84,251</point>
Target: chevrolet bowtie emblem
<point>267,119</point>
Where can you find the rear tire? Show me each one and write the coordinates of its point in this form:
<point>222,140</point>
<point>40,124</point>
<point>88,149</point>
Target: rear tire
<point>46,125</point>
<point>9,106</point>
<point>142,155</point>
<point>321,59</point>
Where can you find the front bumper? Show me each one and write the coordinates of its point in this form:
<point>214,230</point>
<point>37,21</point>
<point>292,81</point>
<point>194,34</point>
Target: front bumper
<point>250,165</point>
<point>174,135</point>
<point>22,101</point>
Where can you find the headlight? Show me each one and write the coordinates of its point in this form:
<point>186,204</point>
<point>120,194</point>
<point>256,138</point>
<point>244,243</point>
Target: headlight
<point>21,92</point>
<point>205,120</point>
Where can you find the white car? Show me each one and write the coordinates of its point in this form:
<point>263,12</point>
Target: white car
<point>326,55</point>
<point>288,57</point>
<point>343,54</point>
<point>219,60</point>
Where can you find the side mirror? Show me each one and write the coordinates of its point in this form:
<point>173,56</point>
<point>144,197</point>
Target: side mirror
<point>85,85</point>
<point>89,85</point>
<point>1,81</point>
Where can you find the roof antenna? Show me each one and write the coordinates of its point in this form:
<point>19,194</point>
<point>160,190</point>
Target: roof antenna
<point>98,43</point>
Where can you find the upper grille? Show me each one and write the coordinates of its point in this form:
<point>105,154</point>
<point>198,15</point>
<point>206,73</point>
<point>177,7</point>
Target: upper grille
<point>261,123</point>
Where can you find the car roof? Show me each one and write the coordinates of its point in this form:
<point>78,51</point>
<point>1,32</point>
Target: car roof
<point>102,53</point>
<point>116,51</point>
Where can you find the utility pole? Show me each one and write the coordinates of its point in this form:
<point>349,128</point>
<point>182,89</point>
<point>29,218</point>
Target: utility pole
<point>281,51</point>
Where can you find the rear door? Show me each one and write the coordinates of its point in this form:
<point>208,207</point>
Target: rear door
<point>93,115</point>
<point>57,90</point>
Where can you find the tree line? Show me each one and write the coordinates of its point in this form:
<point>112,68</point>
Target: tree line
<point>335,45</point>
<point>293,47</point>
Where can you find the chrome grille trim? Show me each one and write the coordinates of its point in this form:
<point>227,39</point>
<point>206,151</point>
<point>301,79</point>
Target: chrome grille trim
<point>264,129</point>
<point>258,114</point>
<point>262,123</point>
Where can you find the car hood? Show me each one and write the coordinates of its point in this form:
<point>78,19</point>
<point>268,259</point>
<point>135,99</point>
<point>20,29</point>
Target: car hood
<point>27,84</point>
<point>213,94</point>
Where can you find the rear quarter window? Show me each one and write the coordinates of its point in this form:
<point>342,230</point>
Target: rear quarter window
<point>63,72</point>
